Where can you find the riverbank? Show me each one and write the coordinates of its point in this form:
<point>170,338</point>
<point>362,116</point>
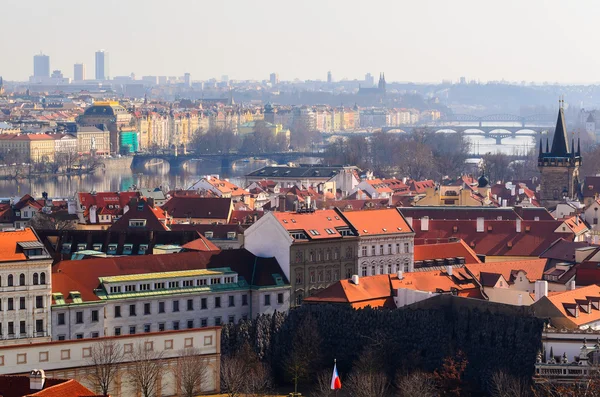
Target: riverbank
<point>16,172</point>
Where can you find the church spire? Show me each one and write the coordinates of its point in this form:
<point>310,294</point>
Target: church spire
<point>560,145</point>
<point>541,151</point>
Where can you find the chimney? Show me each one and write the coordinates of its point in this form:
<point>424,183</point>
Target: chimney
<point>150,202</point>
<point>449,270</point>
<point>518,223</point>
<point>571,285</point>
<point>480,225</point>
<point>520,300</point>
<point>355,279</point>
<point>37,379</point>
<point>425,223</point>
<point>281,206</point>
<point>541,289</point>
<point>400,274</point>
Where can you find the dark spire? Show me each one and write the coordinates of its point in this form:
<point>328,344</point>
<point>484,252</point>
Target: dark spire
<point>578,147</point>
<point>547,145</point>
<point>573,147</point>
<point>560,146</point>
<point>541,151</point>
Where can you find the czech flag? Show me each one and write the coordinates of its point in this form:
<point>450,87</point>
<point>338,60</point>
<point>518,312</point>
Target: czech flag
<point>336,383</point>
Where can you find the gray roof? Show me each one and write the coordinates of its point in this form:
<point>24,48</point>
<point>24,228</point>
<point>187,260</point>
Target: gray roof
<point>313,171</point>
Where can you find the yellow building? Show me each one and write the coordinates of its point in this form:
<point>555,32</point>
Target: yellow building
<point>89,138</point>
<point>29,148</point>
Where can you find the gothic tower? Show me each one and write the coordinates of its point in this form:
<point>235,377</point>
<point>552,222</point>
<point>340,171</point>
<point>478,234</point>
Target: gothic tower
<point>559,166</point>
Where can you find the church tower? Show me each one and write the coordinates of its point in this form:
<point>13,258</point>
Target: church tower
<point>559,166</point>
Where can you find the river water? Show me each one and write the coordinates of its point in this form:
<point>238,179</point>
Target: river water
<point>160,175</point>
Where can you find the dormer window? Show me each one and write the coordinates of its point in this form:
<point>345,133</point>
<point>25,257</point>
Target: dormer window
<point>231,235</point>
<point>137,223</point>
<point>112,249</point>
<point>143,248</point>
<point>208,235</point>
<point>81,247</point>
<point>97,247</point>
<point>127,249</point>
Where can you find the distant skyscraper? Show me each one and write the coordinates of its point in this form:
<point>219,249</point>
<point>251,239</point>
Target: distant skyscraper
<point>187,79</point>
<point>41,65</point>
<point>79,72</point>
<point>274,78</point>
<point>329,78</point>
<point>102,69</point>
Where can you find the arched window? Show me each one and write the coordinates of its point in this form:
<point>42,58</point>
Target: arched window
<point>10,280</point>
<point>35,279</point>
<point>42,278</point>
<point>21,279</point>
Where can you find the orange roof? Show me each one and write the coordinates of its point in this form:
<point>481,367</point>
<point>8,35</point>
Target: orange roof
<point>319,224</point>
<point>576,224</point>
<point>9,248</point>
<point>379,186</point>
<point>435,280</point>
<point>574,301</point>
<point>379,221</point>
<point>534,268</point>
<point>225,186</point>
<point>374,291</point>
<point>201,244</point>
<point>445,250</point>
<point>70,388</point>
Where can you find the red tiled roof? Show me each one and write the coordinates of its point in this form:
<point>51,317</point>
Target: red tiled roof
<point>201,244</point>
<point>455,249</point>
<point>9,248</point>
<point>316,221</point>
<point>182,207</point>
<point>378,221</point>
<point>103,199</point>
<point>140,209</point>
<point>574,299</point>
<point>374,291</point>
<point>18,386</point>
<point>499,238</point>
<point>534,269</point>
<point>439,281</point>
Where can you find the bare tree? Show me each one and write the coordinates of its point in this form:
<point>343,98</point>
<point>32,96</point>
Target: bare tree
<point>258,380</point>
<point>192,371</point>
<point>105,358</point>
<point>322,387</point>
<point>304,357</point>
<point>243,374</point>
<point>368,378</point>
<point>146,368</point>
<point>417,384</point>
<point>232,375</point>
<point>506,385</point>
<point>56,221</point>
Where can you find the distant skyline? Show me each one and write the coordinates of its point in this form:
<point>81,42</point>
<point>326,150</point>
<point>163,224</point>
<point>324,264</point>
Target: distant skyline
<point>409,40</point>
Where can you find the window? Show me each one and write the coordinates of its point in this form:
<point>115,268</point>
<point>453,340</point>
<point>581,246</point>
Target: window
<point>327,254</point>
<point>147,328</point>
<point>201,282</point>
<point>117,331</point>
<point>115,289</point>
<point>117,311</point>
<point>137,223</point>
<point>10,280</point>
<point>406,266</point>
<point>299,298</point>
<point>398,248</point>
<point>10,304</point>
<point>161,326</point>
<point>313,276</point>
<point>280,298</point>
<point>95,335</point>
<point>349,252</point>
<point>161,307</point>
<point>175,306</point>
<point>311,256</point>
<point>389,249</point>
<point>299,276</point>
<point>364,271</point>
<point>130,288</point>
<point>11,328</point>
<point>190,304</point>
<point>364,251</point>
<point>142,249</point>
<point>22,303</point>
<point>244,300</point>
<point>231,301</point>
<point>217,321</point>
<point>336,253</point>
<point>39,302</point>
<point>79,317</point>
<point>215,281</point>
<point>208,234</point>
<point>147,310</point>
<point>218,301</point>
<point>267,300</point>
<point>39,326</point>
<point>61,319</point>
<point>299,256</point>
<point>173,284</point>
<point>381,250</point>
<point>373,250</point>
<point>389,268</point>
<point>175,325</point>
<point>36,279</point>
<point>204,322</point>
<point>132,330</point>
<point>348,272</point>
<point>188,283</point>
<point>43,278</point>
<point>94,316</point>
<point>406,248</point>
<point>78,336</point>
<point>231,319</point>
<point>132,310</point>
<point>190,324</point>
<point>61,337</point>
<point>380,269</point>
<point>22,328</point>
<point>159,285</point>
<point>203,304</point>
<point>373,270</point>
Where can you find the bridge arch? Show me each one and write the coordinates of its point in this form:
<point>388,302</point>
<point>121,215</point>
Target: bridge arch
<point>502,117</point>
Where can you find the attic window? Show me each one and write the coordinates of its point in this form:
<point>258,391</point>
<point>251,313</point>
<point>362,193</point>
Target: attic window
<point>137,223</point>
<point>208,234</point>
<point>455,229</point>
<point>314,232</point>
<point>231,235</point>
<point>330,231</point>
<point>328,218</point>
<point>399,228</point>
<point>384,229</point>
<point>527,228</point>
<point>509,244</point>
<point>337,218</point>
<point>365,231</point>
<point>293,220</point>
<point>285,221</point>
<point>490,228</point>
<point>112,249</point>
<point>81,247</point>
<point>97,247</point>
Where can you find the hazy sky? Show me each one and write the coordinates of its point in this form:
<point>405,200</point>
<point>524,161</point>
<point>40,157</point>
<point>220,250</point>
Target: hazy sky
<point>410,40</point>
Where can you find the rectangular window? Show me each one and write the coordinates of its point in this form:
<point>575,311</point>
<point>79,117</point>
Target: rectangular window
<point>280,298</point>
<point>231,319</point>
<point>11,328</point>
<point>175,306</point>
<point>217,321</point>
<point>231,301</point>
<point>117,311</point>
<point>204,322</point>
<point>117,331</point>
<point>203,304</point>
<point>79,317</point>
<point>406,247</point>
<point>389,249</point>
<point>95,335</point>
<point>188,283</point>
<point>190,304</point>
<point>22,303</point>
<point>61,319</point>
<point>244,300</point>
<point>61,337</point>
<point>39,302</point>
<point>373,250</point>
<point>78,336</point>
<point>147,310</point>
<point>39,326</point>
<point>161,307</point>
<point>190,324</point>
<point>267,300</point>
<point>22,327</point>
<point>132,330</point>
<point>381,250</point>
<point>147,328</point>
<point>159,285</point>
<point>218,301</point>
<point>161,326</point>
<point>10,304</point>
<point>94,316</point>
<point>173,284</point>
<point>176,325</point>
<point>132,310</point>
